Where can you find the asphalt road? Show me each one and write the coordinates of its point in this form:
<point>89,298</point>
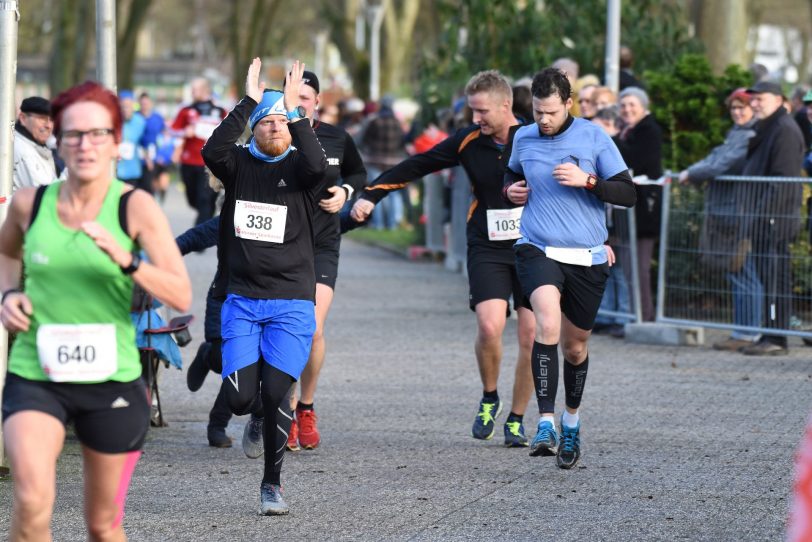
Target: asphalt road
<point>679,443</point>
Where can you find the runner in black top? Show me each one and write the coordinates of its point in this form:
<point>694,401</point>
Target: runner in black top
<point>266,234</point>
<point>344,166</point>
<point>482,151</point>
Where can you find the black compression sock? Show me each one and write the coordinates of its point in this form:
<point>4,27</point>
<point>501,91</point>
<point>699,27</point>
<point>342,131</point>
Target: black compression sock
<point>491,396</point>
<point>574,380</point>
<point>273,478</point>
<point>544,363</point>
<point>303,406</point>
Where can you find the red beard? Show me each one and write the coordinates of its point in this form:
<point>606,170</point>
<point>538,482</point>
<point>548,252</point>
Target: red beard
<point>274,147</point>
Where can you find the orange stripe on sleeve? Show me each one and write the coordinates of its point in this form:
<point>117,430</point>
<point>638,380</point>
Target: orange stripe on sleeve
<point>471,209</point>
<point>470,137</point>
<point>386,186</point>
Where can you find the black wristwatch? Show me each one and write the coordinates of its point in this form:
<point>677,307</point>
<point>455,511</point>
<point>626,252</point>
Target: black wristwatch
<point>134,265</point>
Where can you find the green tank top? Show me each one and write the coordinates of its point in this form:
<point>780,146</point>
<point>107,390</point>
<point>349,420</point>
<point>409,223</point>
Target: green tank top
<point>72,281</point>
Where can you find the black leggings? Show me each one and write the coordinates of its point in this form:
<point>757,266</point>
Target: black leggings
<point>260,388</point>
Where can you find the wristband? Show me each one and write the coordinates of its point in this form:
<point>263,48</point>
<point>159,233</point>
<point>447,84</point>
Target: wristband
<point>9,292</point>
<point>347,188</point>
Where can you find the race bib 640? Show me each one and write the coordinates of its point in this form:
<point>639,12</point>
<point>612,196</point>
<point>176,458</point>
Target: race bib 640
<point>77,352</point>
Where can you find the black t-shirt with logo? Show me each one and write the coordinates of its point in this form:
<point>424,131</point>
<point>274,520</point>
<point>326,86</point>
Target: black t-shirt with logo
<point>344,166</point>
<point>263,269</point>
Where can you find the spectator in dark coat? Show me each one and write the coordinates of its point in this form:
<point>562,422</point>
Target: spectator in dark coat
<point>640,143</point>
<point>383,146</point>
<point>777,150</point>
<point>627,77</point>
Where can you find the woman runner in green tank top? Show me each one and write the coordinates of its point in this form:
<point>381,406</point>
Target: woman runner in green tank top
<point>74,359</point>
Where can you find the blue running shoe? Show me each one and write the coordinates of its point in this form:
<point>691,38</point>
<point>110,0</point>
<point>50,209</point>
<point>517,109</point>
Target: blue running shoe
<point>271,501</point>
<point>484,422</point>
<point>546,440</point>
<point>570,448</point>
<point>514,435</point>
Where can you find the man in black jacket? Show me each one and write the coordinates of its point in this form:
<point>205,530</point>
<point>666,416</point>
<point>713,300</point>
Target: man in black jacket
<point>266,234</point>
<point>777,150</point>
<point>345,174</point>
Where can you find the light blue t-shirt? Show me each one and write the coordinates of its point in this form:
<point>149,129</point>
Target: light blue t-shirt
<point>129,165</point>
<point>562,216</point>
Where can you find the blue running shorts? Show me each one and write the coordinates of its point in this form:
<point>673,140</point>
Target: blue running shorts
<point>280,330</point>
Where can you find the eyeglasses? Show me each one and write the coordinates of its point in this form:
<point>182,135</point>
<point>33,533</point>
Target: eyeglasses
<point>96,136</point>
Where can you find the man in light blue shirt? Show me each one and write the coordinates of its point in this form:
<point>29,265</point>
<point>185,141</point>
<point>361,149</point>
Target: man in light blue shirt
<point>129,167</point>
<point>562,169</point>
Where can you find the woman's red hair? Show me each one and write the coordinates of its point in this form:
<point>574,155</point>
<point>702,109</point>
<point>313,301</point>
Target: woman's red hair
<point>89,91</point>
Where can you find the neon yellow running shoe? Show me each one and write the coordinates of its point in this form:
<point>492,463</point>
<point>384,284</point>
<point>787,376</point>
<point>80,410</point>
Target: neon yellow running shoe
<point>484,422</point>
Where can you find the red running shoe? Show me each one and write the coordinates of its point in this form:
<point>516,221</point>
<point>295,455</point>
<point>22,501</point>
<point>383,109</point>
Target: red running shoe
<point>293,437</point>
<point>308,432</point>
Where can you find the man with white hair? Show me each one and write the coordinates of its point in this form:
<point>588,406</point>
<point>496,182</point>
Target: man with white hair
<point>266,234</point>
<point>33,160</point>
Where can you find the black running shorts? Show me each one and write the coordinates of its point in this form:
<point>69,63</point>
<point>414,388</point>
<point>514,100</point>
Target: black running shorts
<point>326,262</point>
<point>492,275</point>
<point>109,417</point>
<point>581,287</point>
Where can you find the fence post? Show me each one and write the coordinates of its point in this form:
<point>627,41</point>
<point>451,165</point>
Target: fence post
<point>9,18</point>
<point>460,201</point>
<point>433,208</point>
<point>635,270</point>
<point>106,43</point>
<point>666,213</point>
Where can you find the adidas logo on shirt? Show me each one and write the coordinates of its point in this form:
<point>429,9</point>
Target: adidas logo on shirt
<point>281,184</point>
<point>121,402</point>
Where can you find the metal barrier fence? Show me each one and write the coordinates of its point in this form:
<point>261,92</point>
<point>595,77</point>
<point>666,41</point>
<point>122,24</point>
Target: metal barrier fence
<point>433,209</point>
<point>737,256</point>
<point>457,244</point>
<point>621,302</point>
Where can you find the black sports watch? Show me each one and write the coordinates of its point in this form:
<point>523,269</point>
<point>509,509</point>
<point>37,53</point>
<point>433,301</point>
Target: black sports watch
<point>134,264</point>
<point>298,113</point>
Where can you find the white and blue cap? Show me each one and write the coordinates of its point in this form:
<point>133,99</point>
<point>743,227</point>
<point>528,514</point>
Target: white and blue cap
<point>272,103</point>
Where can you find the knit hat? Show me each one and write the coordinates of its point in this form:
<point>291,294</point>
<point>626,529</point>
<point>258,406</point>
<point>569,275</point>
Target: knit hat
<point>309,78</point>
<point>272,103</point>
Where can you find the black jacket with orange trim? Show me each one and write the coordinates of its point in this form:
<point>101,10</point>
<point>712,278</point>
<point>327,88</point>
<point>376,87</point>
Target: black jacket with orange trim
<point>483,160</point>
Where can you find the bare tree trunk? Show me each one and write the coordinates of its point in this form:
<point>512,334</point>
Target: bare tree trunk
<point>399,27</point>
<point>723,28</point>
<point>84,38</point>
<point>340,18</point>
<point>127,41</point>
<point>62,63</point>
<point>258,35</point>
